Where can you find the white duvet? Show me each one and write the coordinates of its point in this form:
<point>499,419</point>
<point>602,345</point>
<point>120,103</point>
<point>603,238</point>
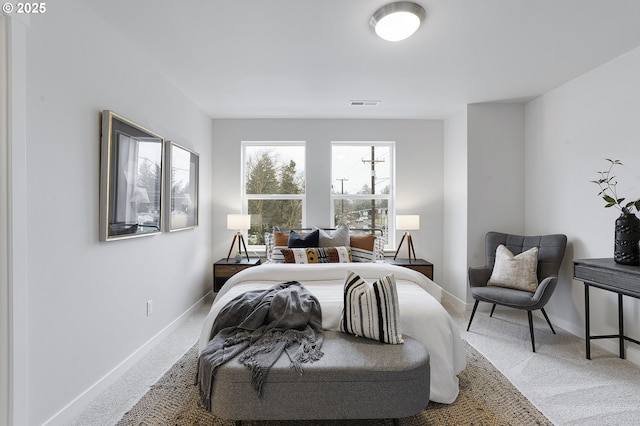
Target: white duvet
<point>421,314</point>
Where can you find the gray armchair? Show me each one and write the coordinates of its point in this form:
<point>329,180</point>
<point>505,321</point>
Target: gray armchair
<point>550,253</point>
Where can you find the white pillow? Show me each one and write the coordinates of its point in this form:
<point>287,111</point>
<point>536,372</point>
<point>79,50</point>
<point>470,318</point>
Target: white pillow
<point>371,311</point>
<point>518,272</point>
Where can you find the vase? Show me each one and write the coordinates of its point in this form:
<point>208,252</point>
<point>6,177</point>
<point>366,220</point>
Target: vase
<point>627,249</point>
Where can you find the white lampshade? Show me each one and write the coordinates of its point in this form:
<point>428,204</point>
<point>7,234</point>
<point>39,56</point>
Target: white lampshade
<point>407,222</point>
<point>397,21</point>
<point>238,221</point>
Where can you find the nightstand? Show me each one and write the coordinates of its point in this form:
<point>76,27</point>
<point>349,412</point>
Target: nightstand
<point>420,265</point>
<point>224,269</point>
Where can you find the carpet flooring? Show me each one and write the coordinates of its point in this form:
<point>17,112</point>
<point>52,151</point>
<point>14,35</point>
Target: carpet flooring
<point>558,380</point>
<point>486,398</point>
<point>568,388</point>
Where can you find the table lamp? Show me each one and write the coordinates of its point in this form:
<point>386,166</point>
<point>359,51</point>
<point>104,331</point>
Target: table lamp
<point>407,222</point>
<point>239,222</point>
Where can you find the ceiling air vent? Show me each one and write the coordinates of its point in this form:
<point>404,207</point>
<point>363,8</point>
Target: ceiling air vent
<point>364,103</point>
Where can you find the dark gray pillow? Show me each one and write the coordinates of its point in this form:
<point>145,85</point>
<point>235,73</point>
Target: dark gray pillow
<point>303,241</point>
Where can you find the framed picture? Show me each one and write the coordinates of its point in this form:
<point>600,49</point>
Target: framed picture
<point>182,184</point>
<point>131,179</point>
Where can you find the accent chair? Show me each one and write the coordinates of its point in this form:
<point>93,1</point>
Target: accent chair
<point>485,284</point>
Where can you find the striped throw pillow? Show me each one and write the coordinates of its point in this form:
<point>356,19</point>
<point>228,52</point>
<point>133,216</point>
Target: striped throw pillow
<point>366,248</point>
<point>371,311</point>
<point>362,248</point>
<point>274,242</point>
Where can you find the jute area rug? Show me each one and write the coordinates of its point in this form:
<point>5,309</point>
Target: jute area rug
<point>486,398</point>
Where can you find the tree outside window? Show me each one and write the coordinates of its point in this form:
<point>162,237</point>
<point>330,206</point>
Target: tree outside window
<point>274,187</point>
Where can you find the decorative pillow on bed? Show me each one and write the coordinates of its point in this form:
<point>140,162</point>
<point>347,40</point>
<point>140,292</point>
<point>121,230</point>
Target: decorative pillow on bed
<point>363,248</point>
<point>317,255</point>
<point>334,238</point>
<point>274,242</point>
<point>303,241</point>
<point>518,272</point>
<point>371,311</point>
<point>379,248</point>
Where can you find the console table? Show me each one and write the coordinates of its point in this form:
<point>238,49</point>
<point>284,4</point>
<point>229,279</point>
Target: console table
<point>607,275</point>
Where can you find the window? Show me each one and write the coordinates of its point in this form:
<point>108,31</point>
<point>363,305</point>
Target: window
<point>273,186</point>
<point>362,184</point>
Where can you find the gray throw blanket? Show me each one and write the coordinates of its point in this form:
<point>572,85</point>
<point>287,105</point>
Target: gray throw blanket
<point>262,324</point>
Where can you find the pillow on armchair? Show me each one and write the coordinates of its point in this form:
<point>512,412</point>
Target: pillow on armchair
<point>518,272</point>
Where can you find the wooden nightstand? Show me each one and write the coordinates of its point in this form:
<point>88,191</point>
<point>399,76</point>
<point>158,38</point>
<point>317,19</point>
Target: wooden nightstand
<point>420,265</point>
<point>224,269</point>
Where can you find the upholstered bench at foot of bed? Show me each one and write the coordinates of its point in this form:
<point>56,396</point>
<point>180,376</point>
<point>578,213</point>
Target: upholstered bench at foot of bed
<point>357,378</point>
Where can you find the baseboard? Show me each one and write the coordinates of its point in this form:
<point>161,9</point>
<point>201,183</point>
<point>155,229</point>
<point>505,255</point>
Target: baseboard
<point>452,302</point>
<point>632,351</point>
<point>75,407</point>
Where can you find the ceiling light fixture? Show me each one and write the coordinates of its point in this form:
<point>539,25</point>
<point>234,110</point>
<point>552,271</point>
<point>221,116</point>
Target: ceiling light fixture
<point>397,21</point>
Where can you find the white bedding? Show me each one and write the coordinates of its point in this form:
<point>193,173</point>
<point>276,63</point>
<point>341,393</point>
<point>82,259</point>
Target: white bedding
<point>421,314</point>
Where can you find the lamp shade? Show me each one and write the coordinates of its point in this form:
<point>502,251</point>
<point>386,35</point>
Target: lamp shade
<point>238,221</point>
<point>397,21</point>
<point>407,222</point>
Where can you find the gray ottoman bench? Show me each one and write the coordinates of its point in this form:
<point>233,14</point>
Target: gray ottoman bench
<point>357,378</point>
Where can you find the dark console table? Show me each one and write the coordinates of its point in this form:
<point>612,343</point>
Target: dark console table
<point>607,275</point>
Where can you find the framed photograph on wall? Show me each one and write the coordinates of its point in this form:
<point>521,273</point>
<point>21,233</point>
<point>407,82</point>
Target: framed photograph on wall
<point>131,179</point>
<point>182,185</point>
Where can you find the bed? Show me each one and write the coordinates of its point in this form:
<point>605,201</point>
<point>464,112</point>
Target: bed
<point>421,314</point>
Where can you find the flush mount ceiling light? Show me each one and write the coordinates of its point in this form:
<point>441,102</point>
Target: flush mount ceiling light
<point>397,21</point>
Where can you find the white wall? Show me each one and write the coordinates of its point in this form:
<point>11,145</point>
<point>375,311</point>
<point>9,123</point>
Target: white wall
<point>484,185</point>
<point>495,173</point>
<point>419,170</point>
<point>569,132</point>
<point>86,299</point>
<point>455,205</point>
<point>5,353</point>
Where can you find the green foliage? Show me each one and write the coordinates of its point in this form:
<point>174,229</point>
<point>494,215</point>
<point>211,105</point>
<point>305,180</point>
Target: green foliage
<point>607,184</point>
<point>266,174</point>
<point>261,174</point>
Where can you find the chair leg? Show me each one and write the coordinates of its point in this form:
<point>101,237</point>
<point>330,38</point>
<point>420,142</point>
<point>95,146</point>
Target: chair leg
<point>547,318</point>
<point>492,309</point>
<point>533,341</point>
<point>473,312</point>
<point>396,422</point>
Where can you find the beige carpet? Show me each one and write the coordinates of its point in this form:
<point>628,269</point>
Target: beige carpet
<point>486,398</point>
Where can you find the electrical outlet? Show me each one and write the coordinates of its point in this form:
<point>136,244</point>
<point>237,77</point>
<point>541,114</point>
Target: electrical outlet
<point>149,307</point>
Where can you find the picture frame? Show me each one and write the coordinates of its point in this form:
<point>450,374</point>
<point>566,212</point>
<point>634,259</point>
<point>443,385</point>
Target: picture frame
<point>182,187</point>
<point>131,179</point>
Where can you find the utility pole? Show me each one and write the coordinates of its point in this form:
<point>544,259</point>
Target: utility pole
<point>373,162</point>
<point>342,180</point>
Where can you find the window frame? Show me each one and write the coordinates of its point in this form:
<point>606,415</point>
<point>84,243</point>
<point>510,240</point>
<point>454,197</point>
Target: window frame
<point>245,198</point>
<point>390,197</point>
